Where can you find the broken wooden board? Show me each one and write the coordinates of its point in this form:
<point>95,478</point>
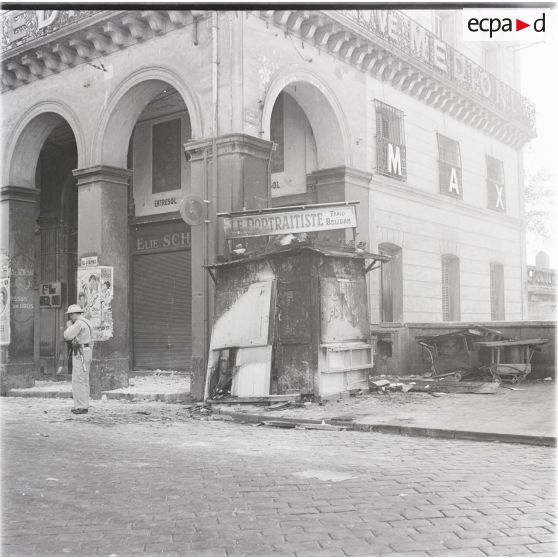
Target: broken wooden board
<point>321,427</point>
<point>280,405</point>
<point>263,400</point>
<point>279,424</point>
<point>453,386</point>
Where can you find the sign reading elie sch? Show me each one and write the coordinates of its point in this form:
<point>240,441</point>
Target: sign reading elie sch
<point>301,220</point>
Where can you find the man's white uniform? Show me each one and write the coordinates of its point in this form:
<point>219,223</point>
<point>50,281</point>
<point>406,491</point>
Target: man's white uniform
<point>80,330</point>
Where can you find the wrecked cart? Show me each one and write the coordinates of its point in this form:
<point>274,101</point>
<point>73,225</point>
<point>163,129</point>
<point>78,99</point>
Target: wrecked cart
<point>510,360</point>
<point>455,353</point>
<point>479,351</point>
<point>291,320</point>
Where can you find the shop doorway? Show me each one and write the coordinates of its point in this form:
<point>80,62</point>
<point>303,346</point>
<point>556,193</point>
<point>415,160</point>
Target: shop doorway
<point>162,311</point>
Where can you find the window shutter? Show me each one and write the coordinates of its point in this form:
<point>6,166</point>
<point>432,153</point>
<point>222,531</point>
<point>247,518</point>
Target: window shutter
<point>497,292</point>
<point>451,291</point>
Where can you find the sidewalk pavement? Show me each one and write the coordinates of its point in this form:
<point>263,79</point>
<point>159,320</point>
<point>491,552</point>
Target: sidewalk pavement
<point>525,414</point>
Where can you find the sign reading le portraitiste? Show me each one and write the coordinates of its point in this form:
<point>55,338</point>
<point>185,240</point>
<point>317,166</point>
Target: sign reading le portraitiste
<point>295,221</point>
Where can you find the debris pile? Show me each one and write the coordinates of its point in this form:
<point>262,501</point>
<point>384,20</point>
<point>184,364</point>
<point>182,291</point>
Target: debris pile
<point>388,384</point>
<point>382,385</point>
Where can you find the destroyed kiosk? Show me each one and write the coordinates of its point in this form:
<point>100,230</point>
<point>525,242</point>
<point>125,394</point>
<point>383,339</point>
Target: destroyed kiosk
<point>291,320</point>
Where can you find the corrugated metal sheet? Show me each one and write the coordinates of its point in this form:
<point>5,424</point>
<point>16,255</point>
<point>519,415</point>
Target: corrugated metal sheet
<point>162,310</point>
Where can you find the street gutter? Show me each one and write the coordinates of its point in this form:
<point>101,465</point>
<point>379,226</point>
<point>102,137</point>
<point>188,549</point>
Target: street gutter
<point>531,440</point>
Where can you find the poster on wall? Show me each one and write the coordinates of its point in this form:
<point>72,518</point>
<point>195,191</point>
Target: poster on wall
<point>95,293</point>
<point>4,305</point>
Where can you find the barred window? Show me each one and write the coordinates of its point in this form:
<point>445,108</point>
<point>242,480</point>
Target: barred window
<point>451,296</point>
<point>390,142</point>
<point>495,184</point>
<point>497,301</point>
<point>449,167</point>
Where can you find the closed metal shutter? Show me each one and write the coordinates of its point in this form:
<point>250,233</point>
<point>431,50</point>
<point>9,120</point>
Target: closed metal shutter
<point>162,311</point>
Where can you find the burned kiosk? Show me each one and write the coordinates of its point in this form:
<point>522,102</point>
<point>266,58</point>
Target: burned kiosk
<point>292,316</point>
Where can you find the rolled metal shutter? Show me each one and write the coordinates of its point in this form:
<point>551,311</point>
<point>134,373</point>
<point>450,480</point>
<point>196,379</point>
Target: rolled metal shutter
<point>162,311</point>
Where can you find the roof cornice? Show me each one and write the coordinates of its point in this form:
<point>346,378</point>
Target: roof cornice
<point>393,48</point>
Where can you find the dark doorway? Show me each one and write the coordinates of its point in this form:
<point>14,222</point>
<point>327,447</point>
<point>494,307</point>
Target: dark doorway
<point>56,243</point>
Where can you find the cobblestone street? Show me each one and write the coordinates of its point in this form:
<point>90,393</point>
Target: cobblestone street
<point>146,479</point>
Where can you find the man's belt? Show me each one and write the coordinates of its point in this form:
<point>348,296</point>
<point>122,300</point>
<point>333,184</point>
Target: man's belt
<point>84,345</point>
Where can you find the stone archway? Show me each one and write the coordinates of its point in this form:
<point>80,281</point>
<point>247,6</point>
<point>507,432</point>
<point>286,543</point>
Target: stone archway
<point>323,111</point>
<point>38,163</point>
<point>110,145</point>
<point>28,137</point>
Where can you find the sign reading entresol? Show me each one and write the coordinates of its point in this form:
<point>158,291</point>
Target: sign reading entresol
<point>284,222</point>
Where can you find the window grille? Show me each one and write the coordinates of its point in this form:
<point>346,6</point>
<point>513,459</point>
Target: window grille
<point>391,156</point>
<point>451,304</point>
<point>495,184</point>
<point>497,301</point>
<point>449,167</point>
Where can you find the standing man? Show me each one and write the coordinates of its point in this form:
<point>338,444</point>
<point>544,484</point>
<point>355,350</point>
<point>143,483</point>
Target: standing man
<point>79,333</point>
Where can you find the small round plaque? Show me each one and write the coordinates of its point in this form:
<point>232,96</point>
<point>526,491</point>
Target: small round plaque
<point>192,210</point>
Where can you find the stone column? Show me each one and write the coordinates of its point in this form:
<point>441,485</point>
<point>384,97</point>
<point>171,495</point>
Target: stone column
<point>239,181</point>
<point>103,232</point>
<point>20,209</point>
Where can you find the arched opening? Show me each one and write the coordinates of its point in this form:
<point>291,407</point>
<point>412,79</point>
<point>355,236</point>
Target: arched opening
<point>160,279</point>
<point>56,244</point>
<point>295,154</point>
<point>391,278</point>
<point>303,124</point>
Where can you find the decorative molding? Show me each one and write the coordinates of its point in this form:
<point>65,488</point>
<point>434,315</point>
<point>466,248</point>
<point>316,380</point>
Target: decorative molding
<point>77,39</point>
<point>447,204</point>
<point>355,40</point>
<point>19,194</point>
<point>229,144</point>
<point>345,175</point>
<point>102,173</point>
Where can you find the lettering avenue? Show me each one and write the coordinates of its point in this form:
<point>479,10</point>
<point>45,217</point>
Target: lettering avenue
<point>414,40</point>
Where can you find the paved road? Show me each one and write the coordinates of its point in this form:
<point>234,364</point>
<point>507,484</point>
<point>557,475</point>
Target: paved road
<point>121,482</point>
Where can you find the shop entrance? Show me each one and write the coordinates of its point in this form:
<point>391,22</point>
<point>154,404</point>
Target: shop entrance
<point>162,297</point>
<point>56,245</point>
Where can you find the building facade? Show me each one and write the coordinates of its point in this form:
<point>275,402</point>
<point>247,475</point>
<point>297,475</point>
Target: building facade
<point>114,121</point>
<point>541,289</point>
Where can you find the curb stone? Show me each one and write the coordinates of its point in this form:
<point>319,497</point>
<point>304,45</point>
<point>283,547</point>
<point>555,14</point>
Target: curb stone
<point>532,440</point>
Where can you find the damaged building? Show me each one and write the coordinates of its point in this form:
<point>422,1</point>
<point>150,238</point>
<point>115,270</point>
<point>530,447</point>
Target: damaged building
<point>125,133</point>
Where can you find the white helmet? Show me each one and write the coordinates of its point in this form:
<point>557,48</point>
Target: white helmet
<point>74,309</point>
